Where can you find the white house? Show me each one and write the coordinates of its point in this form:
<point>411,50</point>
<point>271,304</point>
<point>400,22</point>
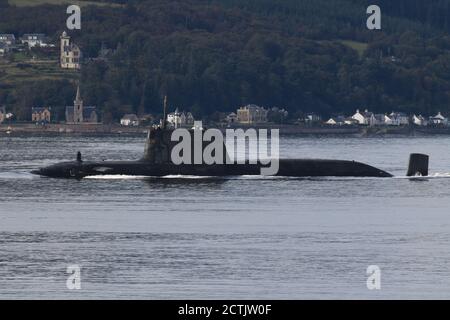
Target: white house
<point>4,49</point>
<point>331,122</point>
<point>350,121</point>
<point>364,118</point>
<point>7,39</point>
<point>130,120</point>
<point>336,121</point>
<point>388,120</point>
<point>34,40</point>
<point>439,119</point>
<point>178,118</point>
<point>419,120</point>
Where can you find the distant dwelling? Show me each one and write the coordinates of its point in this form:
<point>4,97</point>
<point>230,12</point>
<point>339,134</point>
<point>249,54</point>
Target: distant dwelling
<point>251,114</point>
<point>350,121</point>
<point>129,120</point>
<point>438,119</point>
<point>341,121</point>
<point>178,118</point>
<point>4,49</point>
<point>41,115</point>
<point>231,118</point>
<point>336,121</point>
<point>312,118</point>
<point>7,39</point>
<point>388,120</point>
<point>70,57</point>
<point>2,114</point>
<point>78,113</point>
<point>419,120</point>
<point>399,119</point>
<point>381,120</point>
<point>364,118</point>
<point>34,40</point>
<point>331,122</point>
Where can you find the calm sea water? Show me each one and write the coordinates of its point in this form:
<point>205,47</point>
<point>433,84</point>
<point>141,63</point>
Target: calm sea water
<point>236,238</point>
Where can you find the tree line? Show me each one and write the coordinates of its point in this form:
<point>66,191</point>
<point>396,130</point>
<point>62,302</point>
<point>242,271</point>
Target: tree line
<point>216,55</point>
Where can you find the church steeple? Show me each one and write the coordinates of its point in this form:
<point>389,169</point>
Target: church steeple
<point>78,107</point>
<point>78,97</point>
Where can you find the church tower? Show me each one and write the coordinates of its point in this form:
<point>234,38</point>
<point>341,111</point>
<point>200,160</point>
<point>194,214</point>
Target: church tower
<point>78,108</point>
<point>70,53</point>
<point>65,43</point>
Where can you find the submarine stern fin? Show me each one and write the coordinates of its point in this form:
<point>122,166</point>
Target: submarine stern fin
<point>418,165</point>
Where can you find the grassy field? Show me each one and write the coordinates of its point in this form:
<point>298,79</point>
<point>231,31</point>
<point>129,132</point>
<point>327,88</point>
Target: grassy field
<point>360,47</point>
<point>24,69</point>
<point>27,3</point>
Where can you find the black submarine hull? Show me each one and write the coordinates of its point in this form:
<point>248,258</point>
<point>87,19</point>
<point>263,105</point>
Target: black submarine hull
<point>287,167</point>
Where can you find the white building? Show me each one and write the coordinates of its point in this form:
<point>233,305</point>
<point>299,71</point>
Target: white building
<point>34,40</point>
<point>439,119</point>
<point>388,120</point>
<point>178,118</point>
<point>336,121</point>
<point>364,118</point>
<point>331,122</point>
<point>4,49</point>
<point>129,120</point>
<point>7,39</point>
<point>419,120</point>
<point>350,121</point>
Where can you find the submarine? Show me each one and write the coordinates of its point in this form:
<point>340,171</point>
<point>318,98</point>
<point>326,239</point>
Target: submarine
<point>157,162</point>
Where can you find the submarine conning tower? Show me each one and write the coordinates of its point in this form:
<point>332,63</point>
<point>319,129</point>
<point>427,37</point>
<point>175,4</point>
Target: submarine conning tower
<point>158,146</point>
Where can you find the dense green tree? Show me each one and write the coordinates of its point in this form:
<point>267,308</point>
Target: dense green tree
<point>215,55</point>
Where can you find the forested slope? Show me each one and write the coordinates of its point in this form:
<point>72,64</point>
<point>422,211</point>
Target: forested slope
<point>216,55</point>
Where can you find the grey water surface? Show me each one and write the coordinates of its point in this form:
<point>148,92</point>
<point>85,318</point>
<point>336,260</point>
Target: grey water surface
<point>227,238</point>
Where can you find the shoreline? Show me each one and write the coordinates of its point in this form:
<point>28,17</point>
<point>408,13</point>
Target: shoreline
<point>27,129</point>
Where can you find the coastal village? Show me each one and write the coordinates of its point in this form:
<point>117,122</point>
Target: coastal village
<point>82,115</point>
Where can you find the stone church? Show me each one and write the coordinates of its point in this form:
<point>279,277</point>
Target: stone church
<point>78,113</point>
<point>70,53</point>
